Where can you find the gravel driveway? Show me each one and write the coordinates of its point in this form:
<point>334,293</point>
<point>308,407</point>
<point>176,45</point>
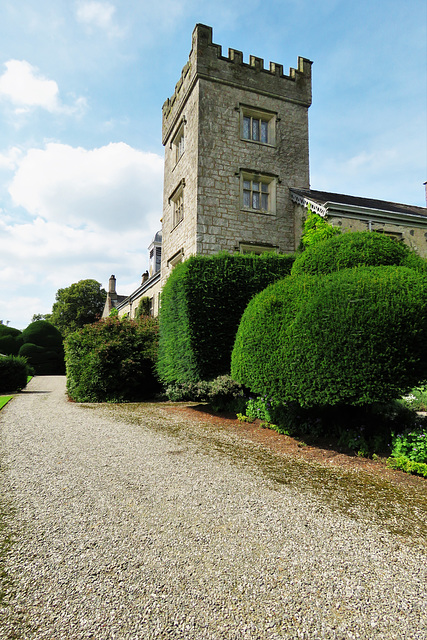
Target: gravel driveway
<point>128,525</point>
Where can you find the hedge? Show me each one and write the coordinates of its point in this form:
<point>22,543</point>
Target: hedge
<point>43,348</point>
<point>353,249</point>
<point>201,306</point>
<point>10,340</point>
<point>356,337</point>
<point>13,373</point>
<point>112,360</point>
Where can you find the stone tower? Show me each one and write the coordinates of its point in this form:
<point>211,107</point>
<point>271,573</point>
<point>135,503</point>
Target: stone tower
<point>236,140</point>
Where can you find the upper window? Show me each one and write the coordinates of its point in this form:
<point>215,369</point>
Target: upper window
<point>258,126</point>
<point>178,143</point>
<point>177,202</point>
<point>258,193</point>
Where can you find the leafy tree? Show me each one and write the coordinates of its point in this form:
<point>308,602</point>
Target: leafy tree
<point>77,305</point>
<point>41,316</point>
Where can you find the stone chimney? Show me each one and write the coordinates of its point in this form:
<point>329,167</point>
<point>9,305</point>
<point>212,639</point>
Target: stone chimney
<point>112,285</point>
<point>144,277</point>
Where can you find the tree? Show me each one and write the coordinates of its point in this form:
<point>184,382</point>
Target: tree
<point>41,316</point>
<point>79,304</point>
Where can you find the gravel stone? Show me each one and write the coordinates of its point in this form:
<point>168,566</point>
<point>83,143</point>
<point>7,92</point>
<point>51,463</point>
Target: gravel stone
<point>127,525</point>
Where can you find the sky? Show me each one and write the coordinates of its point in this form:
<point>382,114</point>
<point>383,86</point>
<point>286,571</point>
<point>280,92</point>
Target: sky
<point>82,83</point>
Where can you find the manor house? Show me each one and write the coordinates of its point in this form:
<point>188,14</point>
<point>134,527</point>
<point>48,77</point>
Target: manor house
<point>236,172</point>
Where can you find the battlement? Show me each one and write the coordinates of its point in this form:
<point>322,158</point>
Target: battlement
<point>206,61</point>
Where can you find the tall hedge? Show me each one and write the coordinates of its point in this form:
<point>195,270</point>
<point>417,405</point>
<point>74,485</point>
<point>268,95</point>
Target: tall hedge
<point>43,348</point>
<point>201,306</point>
<point>112,360</point>
<point>356,336</point>
<point>353,249</point>
<point>10,340</point>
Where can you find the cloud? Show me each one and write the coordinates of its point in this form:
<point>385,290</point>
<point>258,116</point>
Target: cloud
<point>10,159</point>
<point>99,15</point>
<point>23,86</point>
<point>39,257</point>
<point>113,187</point>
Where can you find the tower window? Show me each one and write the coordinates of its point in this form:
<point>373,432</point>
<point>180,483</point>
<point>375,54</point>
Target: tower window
<point>258,193</point>
<point>258,126</point>
<point>177,202</point>
<point>178,143</point>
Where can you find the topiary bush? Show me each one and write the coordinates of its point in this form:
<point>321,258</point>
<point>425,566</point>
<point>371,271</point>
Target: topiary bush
<point>43,348</point>
<point>355,337</point>
<point>113,360</point>
<point>13,373</point>
<point>352,249</point>
<point>202,303</point>
<point>10,340</point>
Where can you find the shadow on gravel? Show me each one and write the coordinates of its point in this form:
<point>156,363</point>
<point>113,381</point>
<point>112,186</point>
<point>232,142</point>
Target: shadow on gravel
<point>400,510</point>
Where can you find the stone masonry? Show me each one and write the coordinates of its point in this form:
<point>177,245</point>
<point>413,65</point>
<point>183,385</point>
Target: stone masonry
<point>208,157</point>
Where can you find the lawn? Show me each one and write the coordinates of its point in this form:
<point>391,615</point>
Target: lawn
<point>4,400</point>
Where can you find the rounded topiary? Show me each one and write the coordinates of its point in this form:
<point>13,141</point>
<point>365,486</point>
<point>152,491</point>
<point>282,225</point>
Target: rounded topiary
<point>359,337</point>
<point>351,249</point>
<point>43,348</point>
<point>44,334</point>
<point>10,340</point>
<point>261,337</point>
<point>13,374</point>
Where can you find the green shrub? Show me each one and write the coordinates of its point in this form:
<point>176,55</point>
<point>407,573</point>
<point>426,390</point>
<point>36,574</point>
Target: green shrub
<point>112,360</point>
<point>223,393</point>
<point>143,308</point>
<point>317,229</point>
<point>408,466</point>
<point>202,303</point>
<point>352,249</point>
<point>43,348</point>
<point>355,337</point>
<point>10,340</point>
<point>412,443</point>
<point>13,373</point>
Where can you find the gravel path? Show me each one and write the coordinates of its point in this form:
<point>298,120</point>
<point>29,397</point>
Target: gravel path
<point>130,528</point>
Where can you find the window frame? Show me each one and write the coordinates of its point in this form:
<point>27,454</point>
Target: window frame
<point>260,116</point>
<point>261,179</point>
<point>178,142</point>
<point>176,200</point>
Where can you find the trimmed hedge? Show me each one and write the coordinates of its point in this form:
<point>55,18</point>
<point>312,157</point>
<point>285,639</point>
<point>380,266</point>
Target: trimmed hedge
<point>43,348</point>
<point>13,373</point>
<point>112,360</point>
<point>202,303</point>
<point>353,249</point>
<point>10,340</point>
<point>356,337</point>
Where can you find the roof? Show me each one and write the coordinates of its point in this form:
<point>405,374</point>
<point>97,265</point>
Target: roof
<point>337,201</point>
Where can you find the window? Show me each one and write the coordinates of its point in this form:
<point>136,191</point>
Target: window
<point>178,143</point>
<point>258,126</point>
<point>177,202</point>
<point>257,249</point>
<point>258,193</point>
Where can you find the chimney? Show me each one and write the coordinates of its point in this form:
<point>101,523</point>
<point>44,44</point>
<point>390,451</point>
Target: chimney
<point>144,277</point>
<point>112,285</point>
<point>425,185</point>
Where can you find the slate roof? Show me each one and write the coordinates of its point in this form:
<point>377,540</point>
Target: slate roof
<point>326,199</point>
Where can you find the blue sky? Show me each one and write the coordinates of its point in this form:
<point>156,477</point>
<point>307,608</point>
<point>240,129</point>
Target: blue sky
<point>82,83</point>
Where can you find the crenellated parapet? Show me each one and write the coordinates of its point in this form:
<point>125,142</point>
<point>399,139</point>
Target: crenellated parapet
<point>207,62</point>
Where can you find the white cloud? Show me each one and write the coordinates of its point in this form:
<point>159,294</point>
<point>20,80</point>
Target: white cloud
<point>23,86</point>
<point>39,257</point>
<point>113,187</point>
<point>10,158</point>
<point>98,14</point>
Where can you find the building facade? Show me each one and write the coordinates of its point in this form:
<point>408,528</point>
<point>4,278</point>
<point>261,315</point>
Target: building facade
<point>236,140</point>
<point>236,170</point>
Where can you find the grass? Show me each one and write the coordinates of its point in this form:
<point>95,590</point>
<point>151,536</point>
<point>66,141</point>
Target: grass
<point>4,400</point>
